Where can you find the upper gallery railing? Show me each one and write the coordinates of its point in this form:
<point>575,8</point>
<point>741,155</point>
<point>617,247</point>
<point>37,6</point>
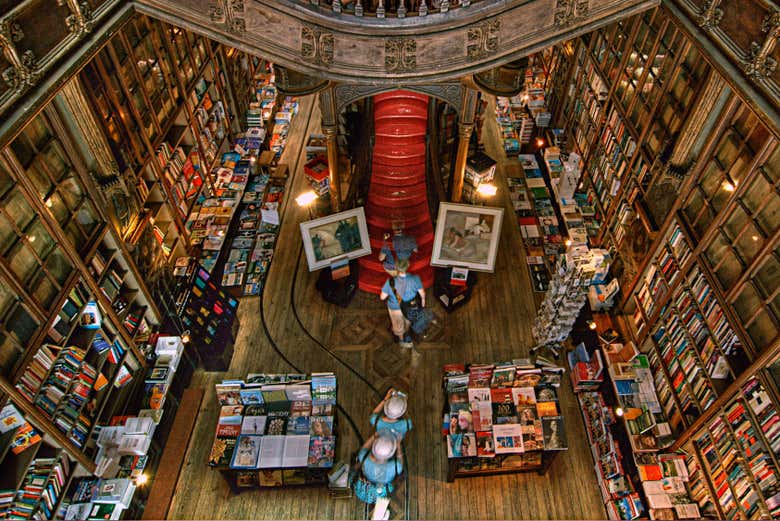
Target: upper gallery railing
<point>390,8</point>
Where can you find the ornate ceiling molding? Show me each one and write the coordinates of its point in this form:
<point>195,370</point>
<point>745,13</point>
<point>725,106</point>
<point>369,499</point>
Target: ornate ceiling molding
<point>392,51</point>
<point>452,93</point>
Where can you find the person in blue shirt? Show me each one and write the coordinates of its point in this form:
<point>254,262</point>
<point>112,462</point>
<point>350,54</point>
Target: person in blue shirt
<point>394,407</point>
<point>403,246</point>
<point>407,286</point>
<point>383,462</point>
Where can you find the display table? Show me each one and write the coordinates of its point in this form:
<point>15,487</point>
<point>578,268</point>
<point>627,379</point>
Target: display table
<point>275,430</point>
<point>449,295</point>
<point>501,418</point>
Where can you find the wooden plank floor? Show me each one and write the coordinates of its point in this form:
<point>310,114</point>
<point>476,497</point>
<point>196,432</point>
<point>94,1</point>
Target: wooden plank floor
<point>494,326</point>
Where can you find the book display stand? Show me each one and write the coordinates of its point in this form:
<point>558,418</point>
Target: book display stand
<point>275,430</point>
<point>450,295</point>
<point>210,316</point>
<point>501,418</point>
<point>338,289</point>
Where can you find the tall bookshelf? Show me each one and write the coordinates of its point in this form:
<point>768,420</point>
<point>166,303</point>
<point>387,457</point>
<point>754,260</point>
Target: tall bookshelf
<point>695,244</point>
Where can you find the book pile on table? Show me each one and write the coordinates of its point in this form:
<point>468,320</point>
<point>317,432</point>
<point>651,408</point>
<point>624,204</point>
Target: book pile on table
<point>529,228</point>
<point>281,127</point>
<point>503,408</point>
<point>271,422</point>
<point>665,483</point>
<point>95,498</point>
<point>209,226</point>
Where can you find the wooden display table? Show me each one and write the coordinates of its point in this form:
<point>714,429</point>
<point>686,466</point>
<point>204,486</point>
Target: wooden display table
<point>275,430</point>
<point>501,418</point>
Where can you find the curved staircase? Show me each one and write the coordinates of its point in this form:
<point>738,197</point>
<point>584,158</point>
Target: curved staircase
<point>398,189</point>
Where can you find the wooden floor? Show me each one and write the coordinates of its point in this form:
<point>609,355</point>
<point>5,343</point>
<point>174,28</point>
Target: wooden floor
<point>495,325</point>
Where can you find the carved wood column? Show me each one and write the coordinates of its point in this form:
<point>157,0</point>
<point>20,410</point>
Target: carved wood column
<point>330,129</point>
<point>465,127</point>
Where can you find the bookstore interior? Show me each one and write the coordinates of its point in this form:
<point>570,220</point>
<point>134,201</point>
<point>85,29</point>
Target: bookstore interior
<point>202,268</point>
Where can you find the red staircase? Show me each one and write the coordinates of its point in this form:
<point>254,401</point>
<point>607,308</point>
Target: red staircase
<point>397,188</point>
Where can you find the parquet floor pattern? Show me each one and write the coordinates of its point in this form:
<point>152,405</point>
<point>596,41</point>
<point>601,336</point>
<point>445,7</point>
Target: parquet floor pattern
<point>495,325</point>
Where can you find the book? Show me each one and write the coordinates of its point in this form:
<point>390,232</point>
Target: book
<point>508,438</point>
<point>253,425</point>
<point>461,445</point>
<point>118,491</point>
<point>321,426</point>
<point>299,425</point>
<point>547,408</point>
<point>554,434</point>
<point>10,418</point>
<point>322,451</point>
<point>503,376</point>
<point>251,396</point>
<point>247,452</point>
<point>228,394</point>
<point>485,447</point>
<point>272,451</point>
<point>275,426</point>
<point>296,451</point>
<point>222,451</point>
<point>270,478</point>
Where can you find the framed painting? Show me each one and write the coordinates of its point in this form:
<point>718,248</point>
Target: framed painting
<point>467,236</point>
<point>335,237</point>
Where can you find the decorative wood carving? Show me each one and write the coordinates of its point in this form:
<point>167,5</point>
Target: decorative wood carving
<point>316,45</point>
<point>400,55</point>
<point>350,93</point>
<point>568,12</point>
<point>228,13</point>
<point>760,64</point>
<point>483,39</point>
<point>711,15</point>
<point>23,72</point>
<point>80,21</point>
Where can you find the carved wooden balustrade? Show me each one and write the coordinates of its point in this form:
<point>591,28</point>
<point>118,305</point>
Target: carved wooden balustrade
<point>391,8</point>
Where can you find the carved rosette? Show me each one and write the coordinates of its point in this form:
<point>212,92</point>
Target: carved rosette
<point>400,55</point>
<point>760,64</point>
<point>482,39</point>
<point>316,45</point>
<point>710,16</point>
<point>567,12</point>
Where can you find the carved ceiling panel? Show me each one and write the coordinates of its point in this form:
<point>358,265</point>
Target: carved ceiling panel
<point>36,34</point>
<point>387,52</point>
<point>746,33</point>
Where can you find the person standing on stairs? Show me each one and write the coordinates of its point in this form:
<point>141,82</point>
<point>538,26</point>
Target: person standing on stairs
<point>403,287</point>
<point>401,247</point>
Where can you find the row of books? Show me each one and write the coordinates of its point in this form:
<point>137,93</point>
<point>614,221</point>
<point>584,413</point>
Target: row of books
<point>737,447</point>
<point>503,408</point>
<point>521,202</point>
<point>41,488</point>
<point>276,421</point>
<point>621,499</point>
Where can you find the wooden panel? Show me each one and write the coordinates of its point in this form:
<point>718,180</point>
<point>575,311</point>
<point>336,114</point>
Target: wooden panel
<point>742,22</point>
<point>43,25</point>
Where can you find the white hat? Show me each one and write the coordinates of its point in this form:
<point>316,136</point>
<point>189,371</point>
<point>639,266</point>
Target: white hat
<point>395,406</point>
<point>383,447</point>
